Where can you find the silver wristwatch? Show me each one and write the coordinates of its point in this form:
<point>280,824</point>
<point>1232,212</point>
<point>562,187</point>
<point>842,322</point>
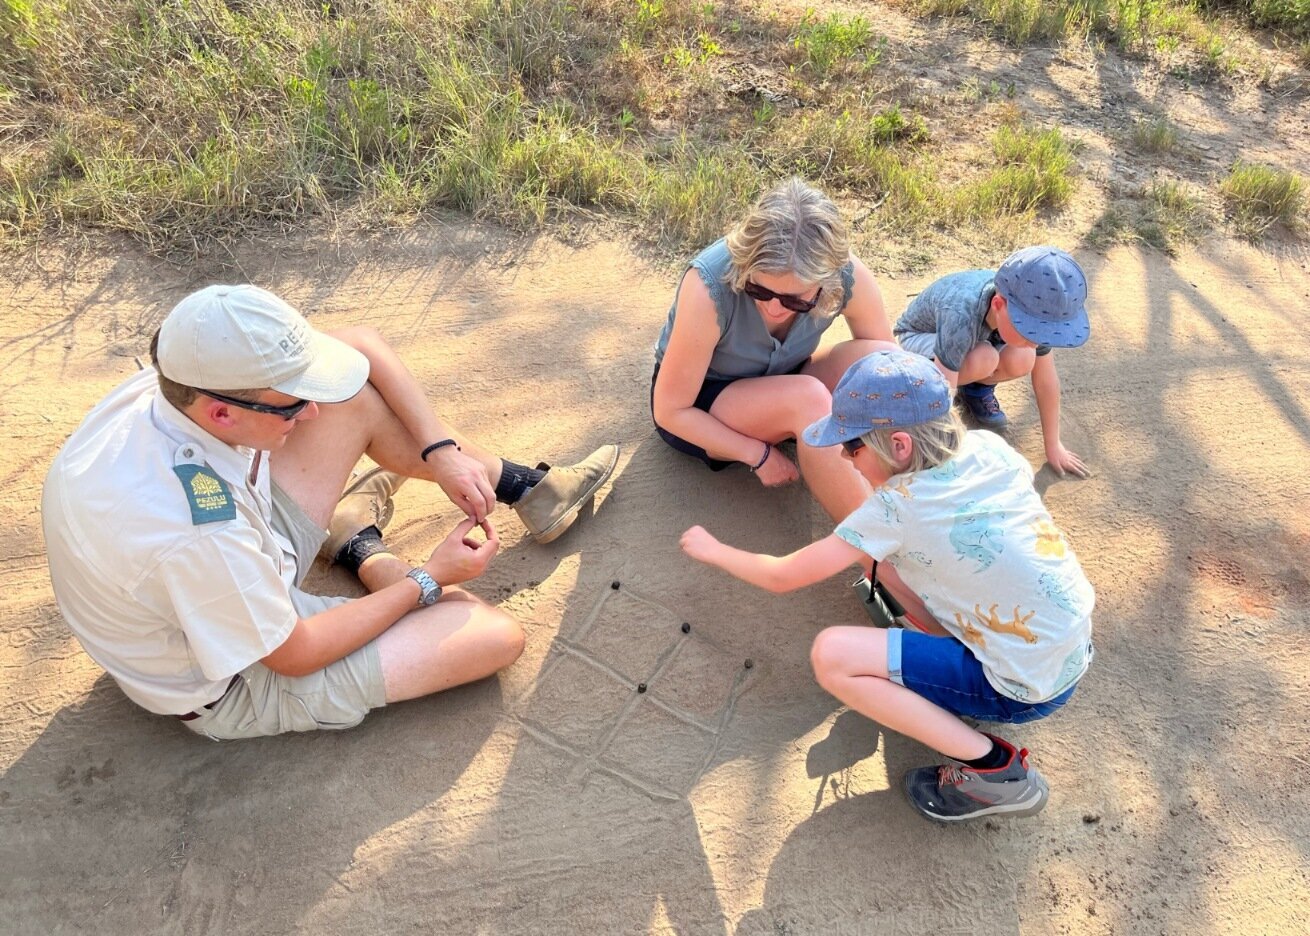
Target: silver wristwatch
<point>431,590</point>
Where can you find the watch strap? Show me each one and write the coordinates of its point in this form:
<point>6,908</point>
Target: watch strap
<point>430,590</point>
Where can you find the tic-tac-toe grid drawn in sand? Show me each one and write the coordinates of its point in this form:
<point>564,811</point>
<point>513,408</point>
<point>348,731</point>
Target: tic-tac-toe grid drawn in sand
<point>636,692</point>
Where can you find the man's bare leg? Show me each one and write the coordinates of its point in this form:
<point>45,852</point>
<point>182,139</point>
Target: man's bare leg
<point>985,364</point>
<point>851,663</point>
<point>978,364</point>
<point>392,421</point>
<point>320,453</point>
<point>458,640</point>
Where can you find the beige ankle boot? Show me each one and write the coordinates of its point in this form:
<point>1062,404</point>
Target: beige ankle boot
<point>365,503</point>
<point>553,503</point>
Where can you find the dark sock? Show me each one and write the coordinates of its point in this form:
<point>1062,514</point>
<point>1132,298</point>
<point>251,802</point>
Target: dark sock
<point>365,543</point>
<point>998,756</point>
<point>515,481</point>
<point>977,389</point>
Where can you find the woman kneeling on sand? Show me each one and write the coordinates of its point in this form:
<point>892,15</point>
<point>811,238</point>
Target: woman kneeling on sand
<point>738,366</point>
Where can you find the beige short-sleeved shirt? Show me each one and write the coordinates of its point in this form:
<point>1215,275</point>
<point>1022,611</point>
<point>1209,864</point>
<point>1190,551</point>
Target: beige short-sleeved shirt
<point>170,607</point>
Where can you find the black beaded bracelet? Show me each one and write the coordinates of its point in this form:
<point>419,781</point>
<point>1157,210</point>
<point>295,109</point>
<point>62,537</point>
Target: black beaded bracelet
<point>768,450</point>
<point>436,445</point>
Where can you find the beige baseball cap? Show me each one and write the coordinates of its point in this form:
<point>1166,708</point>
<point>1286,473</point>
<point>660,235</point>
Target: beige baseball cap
<point>246,338</point>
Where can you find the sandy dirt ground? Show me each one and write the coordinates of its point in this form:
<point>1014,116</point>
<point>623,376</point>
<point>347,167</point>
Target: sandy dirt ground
<point>555,798</point>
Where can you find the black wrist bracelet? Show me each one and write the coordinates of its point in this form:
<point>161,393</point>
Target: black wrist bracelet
<point>768,450</point>
<point>436,445</point>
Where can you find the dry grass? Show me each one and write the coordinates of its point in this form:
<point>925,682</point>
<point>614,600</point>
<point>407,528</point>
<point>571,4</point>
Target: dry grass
<point>1136,25</point>
<point>1155,135</point>
<point>185,122</point>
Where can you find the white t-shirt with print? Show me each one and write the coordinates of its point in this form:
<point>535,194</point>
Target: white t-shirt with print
<point>974,540</point>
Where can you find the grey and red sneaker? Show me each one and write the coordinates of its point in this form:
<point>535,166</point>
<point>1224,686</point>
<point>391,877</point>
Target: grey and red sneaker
<point>952,791</point>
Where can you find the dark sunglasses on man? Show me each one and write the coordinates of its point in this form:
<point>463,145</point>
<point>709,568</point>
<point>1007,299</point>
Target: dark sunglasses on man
<point>786,300</point>
<point>290,411</point>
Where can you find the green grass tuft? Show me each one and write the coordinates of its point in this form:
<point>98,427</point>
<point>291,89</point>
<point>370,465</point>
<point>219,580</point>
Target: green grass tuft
<point>1034,171</point>
<point>827,42</point>
<point>854,150</point>
<point>891,125</point>
<point>1173,217</point>
<point>1165,215</point>
<point>692,198</point>
<point>1260,196</point>
<point>1292,15</point>
<point>1155,134</point>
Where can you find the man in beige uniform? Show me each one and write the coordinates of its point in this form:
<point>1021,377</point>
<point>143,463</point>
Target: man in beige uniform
<point>182,515</point>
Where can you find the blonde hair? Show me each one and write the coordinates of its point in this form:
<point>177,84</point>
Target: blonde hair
<point>935,441</point>
<point>793,229</point>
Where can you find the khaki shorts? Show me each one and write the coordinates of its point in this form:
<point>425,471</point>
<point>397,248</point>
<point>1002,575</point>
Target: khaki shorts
<point>265,703</point>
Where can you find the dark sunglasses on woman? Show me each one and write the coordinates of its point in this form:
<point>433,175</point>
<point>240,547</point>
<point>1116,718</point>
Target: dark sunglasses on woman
<point>786,300</point>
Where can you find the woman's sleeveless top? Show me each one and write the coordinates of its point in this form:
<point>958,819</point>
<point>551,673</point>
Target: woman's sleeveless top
<point>745,347</point>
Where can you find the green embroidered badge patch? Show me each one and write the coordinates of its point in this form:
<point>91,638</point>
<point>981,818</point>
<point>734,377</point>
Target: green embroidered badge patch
<point>207,493</point>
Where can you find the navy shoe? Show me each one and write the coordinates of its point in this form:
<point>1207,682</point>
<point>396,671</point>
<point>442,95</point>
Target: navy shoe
<point>980,400</point>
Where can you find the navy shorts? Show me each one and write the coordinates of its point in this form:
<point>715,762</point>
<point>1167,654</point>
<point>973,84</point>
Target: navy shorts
<point>945,672</point>
<point>709,392</point>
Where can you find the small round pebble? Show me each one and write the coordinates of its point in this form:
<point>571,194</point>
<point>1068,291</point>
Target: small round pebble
<point>686,628</point>
<point>749,664</point>
<point>641,687</point>
<point>615,584</point>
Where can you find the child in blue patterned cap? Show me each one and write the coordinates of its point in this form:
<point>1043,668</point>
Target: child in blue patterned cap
<point>956,514</point>
<point>983,327</point>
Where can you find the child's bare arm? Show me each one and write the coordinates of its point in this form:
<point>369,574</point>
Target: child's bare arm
<point>778,574</point>
<point>1046,388</point>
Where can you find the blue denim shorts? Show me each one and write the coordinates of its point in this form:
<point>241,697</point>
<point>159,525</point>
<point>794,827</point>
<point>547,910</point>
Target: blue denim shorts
<point>946,673</point>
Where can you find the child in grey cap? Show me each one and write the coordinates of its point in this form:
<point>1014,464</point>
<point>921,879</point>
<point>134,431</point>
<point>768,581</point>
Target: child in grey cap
<point>983,327</point>
<point>956,514</point>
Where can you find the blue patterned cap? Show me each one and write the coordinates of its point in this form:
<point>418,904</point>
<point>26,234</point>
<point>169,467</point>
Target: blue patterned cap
<point>883,390</point>
<point>1044,289</point>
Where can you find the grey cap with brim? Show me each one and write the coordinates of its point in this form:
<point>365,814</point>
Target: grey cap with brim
<point>245,338</point>
<point>1045,291</point>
